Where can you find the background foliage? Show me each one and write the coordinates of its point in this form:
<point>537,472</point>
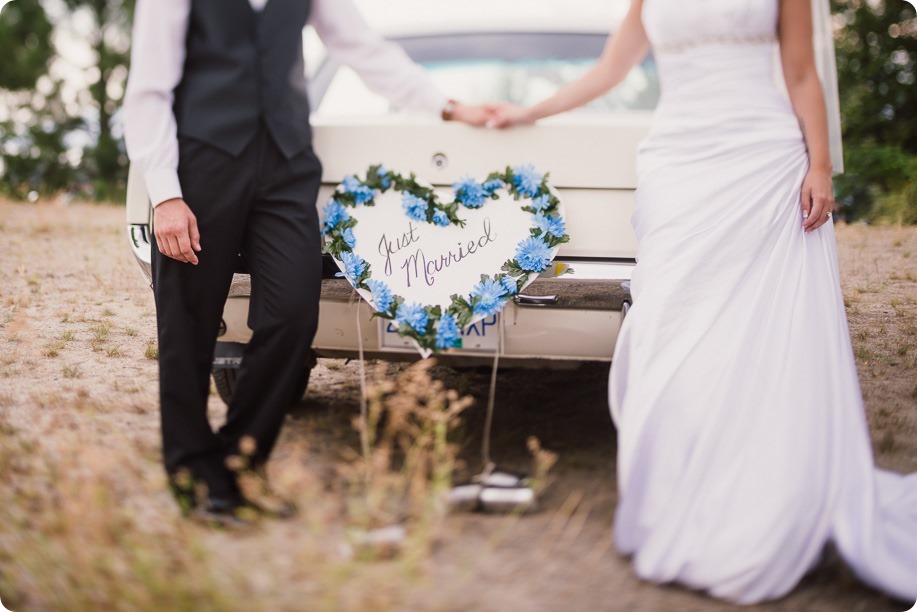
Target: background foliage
<point>876,45</point>
<point>49,144</point>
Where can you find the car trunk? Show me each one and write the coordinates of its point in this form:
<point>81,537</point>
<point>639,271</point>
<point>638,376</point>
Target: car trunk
<point>590,159</point>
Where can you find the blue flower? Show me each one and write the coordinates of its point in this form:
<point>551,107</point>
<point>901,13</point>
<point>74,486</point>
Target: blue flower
<point>492,185</point>
<point>542,202</point>
<point>470,192</point>
<point>360,192</point>
<point>349,238</point>
<point>550,225</point>
<point>490,297</point>
<point>526,180</point>
<point>533,254</point>
<point>413,315</point>
<point>385,181</point>
<point>335,213</point>
<point>440,218</point>
<point>509,284</point>
<point>447,331</point>
<point>354,265</point>
<point>416,208</point>
<point>382,294</point>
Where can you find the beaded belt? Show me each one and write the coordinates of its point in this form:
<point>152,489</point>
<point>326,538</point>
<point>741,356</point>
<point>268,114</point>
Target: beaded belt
<point>719,40</point>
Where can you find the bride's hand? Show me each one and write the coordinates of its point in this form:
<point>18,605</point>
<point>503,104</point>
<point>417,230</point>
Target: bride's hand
<point>507,115</point>
<point>817,199</point>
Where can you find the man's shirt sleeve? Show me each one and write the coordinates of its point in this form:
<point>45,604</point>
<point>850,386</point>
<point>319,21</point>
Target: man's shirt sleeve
<point>157,61</point>
<point>383,65</point>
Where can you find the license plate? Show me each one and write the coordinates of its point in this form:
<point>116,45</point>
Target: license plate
<point>482,336</point>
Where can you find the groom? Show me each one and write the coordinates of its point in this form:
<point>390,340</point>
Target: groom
<point>216,117</point>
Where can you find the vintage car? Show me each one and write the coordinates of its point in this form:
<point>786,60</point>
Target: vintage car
<point>573,311</point>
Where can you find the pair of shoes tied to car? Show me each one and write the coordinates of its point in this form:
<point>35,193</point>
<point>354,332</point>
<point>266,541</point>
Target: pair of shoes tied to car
<point>494,490</point>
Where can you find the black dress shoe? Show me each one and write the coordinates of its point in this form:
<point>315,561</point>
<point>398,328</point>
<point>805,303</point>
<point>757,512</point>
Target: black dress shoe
<point>260,496</point>
<point>225,512</point>
<point>273,507</point>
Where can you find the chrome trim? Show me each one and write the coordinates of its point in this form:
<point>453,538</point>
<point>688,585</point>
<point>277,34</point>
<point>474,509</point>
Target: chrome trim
<point>535,300</point>
<point>467,359</point>
<point>594,270</point>
<point>139,238</point>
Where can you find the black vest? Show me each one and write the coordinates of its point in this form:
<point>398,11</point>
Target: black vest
<point>243,67</point>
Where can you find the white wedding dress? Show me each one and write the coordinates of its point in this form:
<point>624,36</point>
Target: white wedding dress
<point>743,445</point>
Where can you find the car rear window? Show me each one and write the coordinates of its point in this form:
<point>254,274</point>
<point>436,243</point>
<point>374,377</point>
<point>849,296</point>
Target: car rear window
<point>522,68</point>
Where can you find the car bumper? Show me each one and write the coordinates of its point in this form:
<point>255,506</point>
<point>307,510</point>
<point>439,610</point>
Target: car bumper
<point>574,317</point>
<point>570,316</point>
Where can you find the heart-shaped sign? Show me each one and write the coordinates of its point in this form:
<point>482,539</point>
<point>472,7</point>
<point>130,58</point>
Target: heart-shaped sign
<point>435,267</point>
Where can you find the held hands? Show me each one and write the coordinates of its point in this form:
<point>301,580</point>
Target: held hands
<point>507,115</point>
<point>475,115</point>
<point>175,227</point>
<point>501,115</point>
<point>817,199</point>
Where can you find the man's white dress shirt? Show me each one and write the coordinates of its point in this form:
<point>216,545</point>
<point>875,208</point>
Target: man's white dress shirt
<point>158,57</point>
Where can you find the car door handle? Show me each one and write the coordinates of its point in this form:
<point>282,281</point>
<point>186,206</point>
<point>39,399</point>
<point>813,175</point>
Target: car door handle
<point>535,300</point>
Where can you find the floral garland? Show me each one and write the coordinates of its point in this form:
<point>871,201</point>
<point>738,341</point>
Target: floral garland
<point>433,327</point>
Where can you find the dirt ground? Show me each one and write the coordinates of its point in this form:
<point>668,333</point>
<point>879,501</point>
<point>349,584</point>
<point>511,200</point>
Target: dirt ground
<point>78,413</point>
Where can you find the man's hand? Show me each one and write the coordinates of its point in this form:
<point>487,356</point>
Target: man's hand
<point>470,114</point>
<point>176,231</point>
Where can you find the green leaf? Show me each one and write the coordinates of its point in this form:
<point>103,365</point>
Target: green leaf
<point>512,268</point>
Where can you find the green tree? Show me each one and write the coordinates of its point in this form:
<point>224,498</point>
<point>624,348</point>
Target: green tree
<point>35,124</point>
<point>876,45</point>
<point>25,44</point>
<point>39,132</point>
<point>110,42</point>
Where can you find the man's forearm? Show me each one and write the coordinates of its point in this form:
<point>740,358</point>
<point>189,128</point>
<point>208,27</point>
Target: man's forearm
<point>157,59</point>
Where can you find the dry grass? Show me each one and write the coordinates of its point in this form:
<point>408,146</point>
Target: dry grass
<point>73,541</point>
<point>406,462</point>
<point>880,288</point>
<point>86,522</point>
<point>53,349</point>
<point>85,526</point>
<point>100,334</point>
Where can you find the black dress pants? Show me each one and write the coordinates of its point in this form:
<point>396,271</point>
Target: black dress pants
<point>262,205</point>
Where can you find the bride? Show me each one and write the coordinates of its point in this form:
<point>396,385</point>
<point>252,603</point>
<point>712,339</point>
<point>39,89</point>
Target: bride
<point>743,445</point>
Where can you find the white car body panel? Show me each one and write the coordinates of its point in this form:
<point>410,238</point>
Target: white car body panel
<point>590,159</point>
<point>571,317</point>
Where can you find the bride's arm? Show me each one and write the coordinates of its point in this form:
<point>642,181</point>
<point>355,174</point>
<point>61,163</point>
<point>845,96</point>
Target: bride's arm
<point>798,59</point>
<point>624,49</point>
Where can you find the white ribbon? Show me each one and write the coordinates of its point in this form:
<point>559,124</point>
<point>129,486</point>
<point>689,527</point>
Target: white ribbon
<point>823,40</point>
